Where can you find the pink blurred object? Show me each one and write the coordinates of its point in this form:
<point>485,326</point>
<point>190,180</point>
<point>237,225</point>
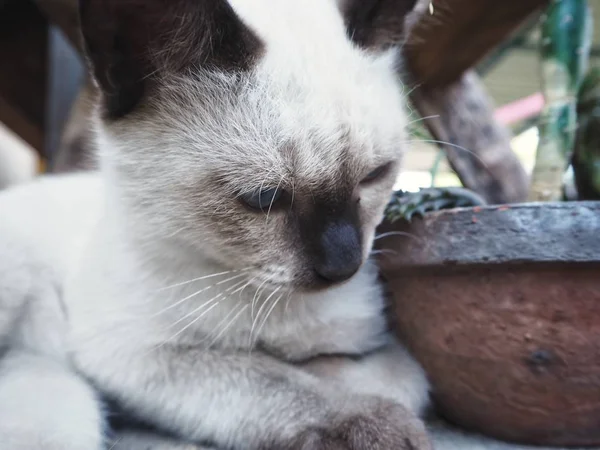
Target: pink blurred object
<point>519,110</point>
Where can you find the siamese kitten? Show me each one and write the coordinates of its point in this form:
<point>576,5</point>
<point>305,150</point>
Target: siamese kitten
<point>213,280</point>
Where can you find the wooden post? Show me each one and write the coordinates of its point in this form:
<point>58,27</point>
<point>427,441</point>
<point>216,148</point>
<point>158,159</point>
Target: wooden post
<point>441,50</point>
<point>477,147</point>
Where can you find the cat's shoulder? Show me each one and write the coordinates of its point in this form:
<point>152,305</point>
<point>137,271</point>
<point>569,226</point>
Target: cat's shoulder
<point>42,220</point>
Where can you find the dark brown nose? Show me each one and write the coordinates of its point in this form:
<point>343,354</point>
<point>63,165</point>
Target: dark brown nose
<point>340,252</point>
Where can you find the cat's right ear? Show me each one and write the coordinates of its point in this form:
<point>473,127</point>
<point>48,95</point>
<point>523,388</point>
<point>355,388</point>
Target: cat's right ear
<point>130,43</point>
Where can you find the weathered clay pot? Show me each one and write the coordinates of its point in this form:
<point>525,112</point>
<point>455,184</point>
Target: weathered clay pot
<point>501,305</point>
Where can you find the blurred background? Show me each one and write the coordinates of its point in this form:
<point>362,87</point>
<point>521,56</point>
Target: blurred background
<point>513,81</point>
<point>45,97</point>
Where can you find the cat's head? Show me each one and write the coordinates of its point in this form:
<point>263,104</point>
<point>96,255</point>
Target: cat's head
<point>264,134</point>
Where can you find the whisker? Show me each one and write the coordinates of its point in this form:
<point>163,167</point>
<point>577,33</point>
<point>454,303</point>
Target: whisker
<point>273,199</point>
<point>240,290</point>
<point>262,184</point>
<point>384,251</point>
<point>184,299</point>
<point>229,279</point>
<point>176,232</point>
<point>187,326</point>
<point>255,319</point>
<point>399,233</point>
<point>287,302</point>
<point>212,300</point>
<point>436,116</point>
<point>293,194</point>
<point>229,324</point>
<point>265,319</point>
<point>233,311</point>
<point>194,294</point>
<point>234,286</point>
<point>199,308</point>
<point>114,445</point>
<point>414,88</point>
<point>254,299</point>
<point>204,277</point>
<point>434,141</point>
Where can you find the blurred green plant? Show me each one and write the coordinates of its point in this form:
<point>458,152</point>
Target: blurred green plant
<point>566,41</point>
<point>586,154</point>
<point>406,205</point>
<point>570,95</point>
<point>418,131</point>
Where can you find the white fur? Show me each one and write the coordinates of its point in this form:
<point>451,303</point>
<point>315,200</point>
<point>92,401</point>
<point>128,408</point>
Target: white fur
<point>124,332</point>
<point>44,405</point>
<point>34,219</point>
<point>128,331</point>
<point>136,278</point>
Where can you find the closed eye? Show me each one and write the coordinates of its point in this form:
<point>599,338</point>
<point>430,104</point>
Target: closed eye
<point>262,199</point>
<point>376,174</point>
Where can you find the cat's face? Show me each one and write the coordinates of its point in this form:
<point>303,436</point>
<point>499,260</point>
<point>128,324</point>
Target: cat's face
<point>273,150</point>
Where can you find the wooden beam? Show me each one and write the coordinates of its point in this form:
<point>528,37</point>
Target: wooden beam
<point>65,15</point>
<point>443,45</point>
<point>23,50</point>
<point>16,121</point>
<point>461,117</point>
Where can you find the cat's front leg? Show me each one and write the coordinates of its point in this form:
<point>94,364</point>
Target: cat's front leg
<point>44,405</point>
<point>250,402</point>
<point>391,373</point>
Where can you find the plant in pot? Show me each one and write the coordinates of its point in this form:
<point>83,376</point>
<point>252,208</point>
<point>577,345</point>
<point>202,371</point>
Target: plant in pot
<point>501,303</point>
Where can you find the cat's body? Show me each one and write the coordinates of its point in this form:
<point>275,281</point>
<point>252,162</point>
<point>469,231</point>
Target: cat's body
<point>214,279</point>
<point>45,404</point>
<point>111,326</point>
<point>212,283</point>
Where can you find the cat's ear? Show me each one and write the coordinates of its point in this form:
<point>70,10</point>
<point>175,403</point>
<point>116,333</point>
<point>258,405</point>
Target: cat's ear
<point>376,24</point>
<point>129,43</point>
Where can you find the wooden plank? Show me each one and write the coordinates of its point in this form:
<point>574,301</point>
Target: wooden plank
<point>461,116</point>
<point>23,51</point>
<point>459,33</point>
<point>16,121</point>
<point>65,15</point>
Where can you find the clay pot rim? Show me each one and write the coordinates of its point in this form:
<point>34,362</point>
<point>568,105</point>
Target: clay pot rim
<point>562,206</point>
<point>552,232</point>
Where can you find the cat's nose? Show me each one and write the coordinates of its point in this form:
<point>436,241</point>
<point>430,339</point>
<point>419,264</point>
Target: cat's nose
<point>340,254</point>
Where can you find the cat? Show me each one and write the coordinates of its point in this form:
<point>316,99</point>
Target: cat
<point>213,279</point>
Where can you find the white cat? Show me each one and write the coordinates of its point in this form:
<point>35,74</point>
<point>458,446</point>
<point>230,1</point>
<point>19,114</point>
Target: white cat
<point>213,281</point>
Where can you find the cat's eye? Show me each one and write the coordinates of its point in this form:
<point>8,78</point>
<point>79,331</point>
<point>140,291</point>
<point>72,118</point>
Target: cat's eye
<point>376,174</point>
<point>262,199</point>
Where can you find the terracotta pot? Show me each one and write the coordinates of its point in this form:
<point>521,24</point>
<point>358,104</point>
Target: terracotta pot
<point>501,305</point>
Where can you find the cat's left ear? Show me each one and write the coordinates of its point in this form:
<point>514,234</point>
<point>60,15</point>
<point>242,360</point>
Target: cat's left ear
<point>376,24</point>
<point>130,43</point>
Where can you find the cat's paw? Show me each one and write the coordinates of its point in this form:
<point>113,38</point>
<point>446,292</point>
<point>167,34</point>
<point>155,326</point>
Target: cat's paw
<point>380,425</point>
